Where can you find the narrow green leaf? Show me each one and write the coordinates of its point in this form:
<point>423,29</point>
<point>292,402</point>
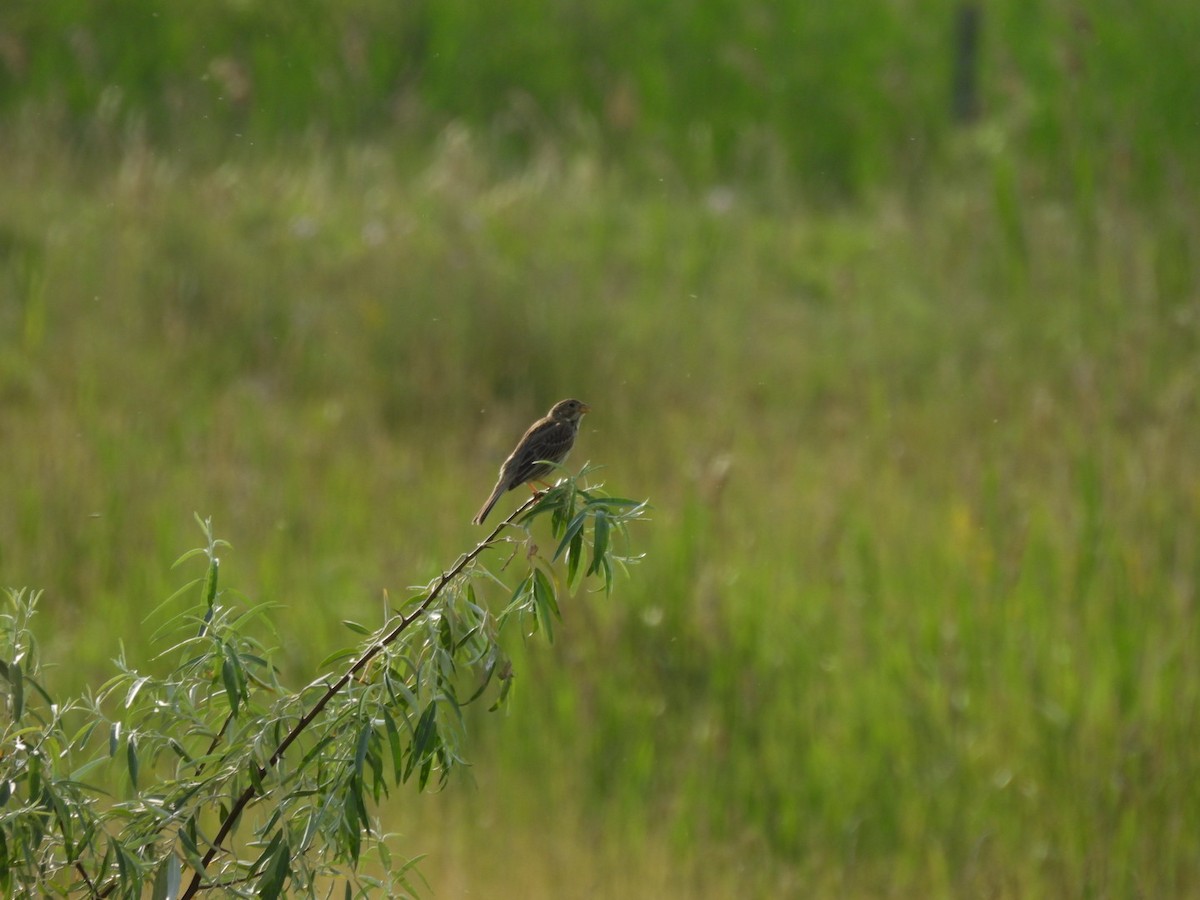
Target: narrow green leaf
<point>35,776</point>
<point>174,876</point>
<point>310,831</point>
<point>523,589</point>
<point>256,661</point>
<point>338,656</point>
<point>574,528</point>
<point>357,628</point>
<point>352,833</point>
<point>167,879</point>
<point>316,750</point>
<point>39,690</point>
<point>489,669</point>
<point>397,750</point>
<point>51,799</point>
<point>599,541</point>
<point>187,840</point>
<point>210,586</point>
<point>114,739</point>
<point>506,680</point>
<point>375,761</point>
<point>122,862</point>
<point>399,692</point>
<point>360,752</point>
<point>229,676</point>
<point>560,515</point>
<point>470,638</point>
<point>426,733</point>
<point>17,680</point>
<point>276,869</point>
<point>131,759</point>
<point>423,738</point>
<point>574,555</point>
<point>198,551</point>
<point>5,869</point>
<point>569,502</point>
<point>84,735</point>
<point>182,799</point>
<point>206,621</point>
<point>80,773</point>
<point>543,586</point>
<point>364,818</point>
<point>618,503</point>
<point>264,858</point>
<point>135,689</point>
<point>256,773</point>
<point>412,601</point>
<point>545,603</point>
<point>129,866</point>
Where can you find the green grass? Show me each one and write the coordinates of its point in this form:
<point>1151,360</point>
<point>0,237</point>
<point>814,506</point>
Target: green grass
<point>853,96</point>
<point>918,615</point>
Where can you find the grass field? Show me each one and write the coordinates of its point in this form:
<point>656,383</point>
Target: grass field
<point>918,615</point>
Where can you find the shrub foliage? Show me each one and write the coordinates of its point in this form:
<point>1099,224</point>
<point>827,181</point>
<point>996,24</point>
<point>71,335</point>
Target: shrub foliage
<point>230,779</point>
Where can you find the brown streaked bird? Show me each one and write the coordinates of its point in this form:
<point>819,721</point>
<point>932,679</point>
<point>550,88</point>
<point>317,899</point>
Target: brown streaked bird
<point>547,442</point>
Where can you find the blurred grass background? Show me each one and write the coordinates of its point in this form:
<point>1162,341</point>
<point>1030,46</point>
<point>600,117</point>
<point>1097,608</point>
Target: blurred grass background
<point>914,398</point>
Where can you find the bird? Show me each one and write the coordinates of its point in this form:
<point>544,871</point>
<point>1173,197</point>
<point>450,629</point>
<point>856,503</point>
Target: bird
<point>545,444</point>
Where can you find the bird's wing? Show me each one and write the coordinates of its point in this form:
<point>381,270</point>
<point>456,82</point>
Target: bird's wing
<point>547,439</point>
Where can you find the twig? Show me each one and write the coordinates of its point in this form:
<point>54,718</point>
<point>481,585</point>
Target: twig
<point>83,873</point>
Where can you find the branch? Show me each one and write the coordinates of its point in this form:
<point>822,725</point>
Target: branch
<point>361,663</point>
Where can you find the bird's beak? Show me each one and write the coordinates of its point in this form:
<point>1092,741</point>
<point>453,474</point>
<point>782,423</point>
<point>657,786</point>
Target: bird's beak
<point>585,408</point>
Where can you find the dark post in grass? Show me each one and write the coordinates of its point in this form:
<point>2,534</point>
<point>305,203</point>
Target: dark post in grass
<point>964,106</point>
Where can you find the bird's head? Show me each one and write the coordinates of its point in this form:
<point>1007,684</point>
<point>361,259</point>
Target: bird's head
<point>569,411</point>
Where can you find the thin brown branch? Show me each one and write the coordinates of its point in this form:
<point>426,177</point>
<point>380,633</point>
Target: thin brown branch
<point>361,663</point>
<point>86,880</point>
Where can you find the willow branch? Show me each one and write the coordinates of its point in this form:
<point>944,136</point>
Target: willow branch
<point>334,689</point>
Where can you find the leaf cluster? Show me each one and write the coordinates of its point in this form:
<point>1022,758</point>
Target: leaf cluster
<point>216,776</point>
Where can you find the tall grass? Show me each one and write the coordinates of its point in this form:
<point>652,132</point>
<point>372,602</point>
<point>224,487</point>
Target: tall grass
<point>844,97</point>
<point>918,615</point>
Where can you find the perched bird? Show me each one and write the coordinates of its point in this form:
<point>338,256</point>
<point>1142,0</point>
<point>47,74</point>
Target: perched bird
<point>547,441</point>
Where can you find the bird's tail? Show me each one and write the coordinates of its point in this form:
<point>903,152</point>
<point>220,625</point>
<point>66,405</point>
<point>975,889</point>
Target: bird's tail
<point>487,507</point>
